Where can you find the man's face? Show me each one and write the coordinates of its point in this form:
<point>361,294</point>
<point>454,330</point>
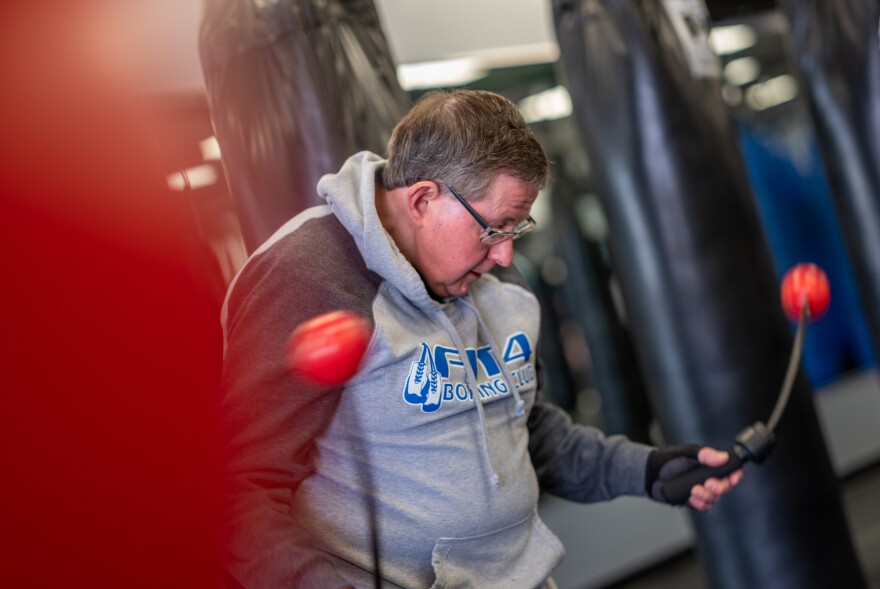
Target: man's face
<point>449,253</point>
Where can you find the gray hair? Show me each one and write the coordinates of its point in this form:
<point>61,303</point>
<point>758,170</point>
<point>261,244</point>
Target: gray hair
<point>464,138</point>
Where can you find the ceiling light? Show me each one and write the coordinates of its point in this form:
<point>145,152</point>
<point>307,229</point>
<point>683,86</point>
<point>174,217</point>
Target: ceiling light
<point>742,71</point>
<point>731,39</point>
<point>772,92</point>
<point>439,74</point>
<point>192,178</point>
<point>554,103</point>
<point>210,148</point>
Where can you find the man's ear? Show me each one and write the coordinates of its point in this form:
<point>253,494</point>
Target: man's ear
<point>419,197</point>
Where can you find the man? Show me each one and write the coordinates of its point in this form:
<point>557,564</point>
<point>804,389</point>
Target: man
<point>438,448</point>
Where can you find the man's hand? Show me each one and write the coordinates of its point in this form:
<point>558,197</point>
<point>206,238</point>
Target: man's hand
<point>667,463</point>
<point>704,496</point>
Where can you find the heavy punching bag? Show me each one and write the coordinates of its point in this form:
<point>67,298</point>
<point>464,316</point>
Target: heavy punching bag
<point>590,305</point>
<point>699,285</point>
<point>295,87</point>
<point>836,46</point>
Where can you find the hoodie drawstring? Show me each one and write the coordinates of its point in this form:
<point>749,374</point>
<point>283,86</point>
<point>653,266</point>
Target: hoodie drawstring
<point>508,378</point>
<point>471,379</point>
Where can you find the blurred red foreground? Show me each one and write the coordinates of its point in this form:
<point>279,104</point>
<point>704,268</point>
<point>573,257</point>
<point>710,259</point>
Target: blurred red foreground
<point>111,346</point>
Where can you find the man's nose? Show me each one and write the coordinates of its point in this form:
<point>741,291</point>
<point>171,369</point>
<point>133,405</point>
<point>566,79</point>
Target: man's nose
<point>502,253</point>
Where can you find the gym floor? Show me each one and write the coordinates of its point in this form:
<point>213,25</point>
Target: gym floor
<point>861,495</point>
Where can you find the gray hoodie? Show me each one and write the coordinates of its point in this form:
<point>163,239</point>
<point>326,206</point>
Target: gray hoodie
<point>438,447</point>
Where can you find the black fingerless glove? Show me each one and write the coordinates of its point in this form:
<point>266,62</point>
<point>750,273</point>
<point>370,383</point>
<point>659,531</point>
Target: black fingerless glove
<point>666,463</point>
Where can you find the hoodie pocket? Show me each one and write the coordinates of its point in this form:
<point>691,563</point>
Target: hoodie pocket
<point>519,556</point>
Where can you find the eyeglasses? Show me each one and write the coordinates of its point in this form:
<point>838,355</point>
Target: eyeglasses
<point>490,235</point>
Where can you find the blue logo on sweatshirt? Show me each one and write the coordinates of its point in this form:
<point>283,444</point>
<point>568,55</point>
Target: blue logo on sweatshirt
<point>429,385</point>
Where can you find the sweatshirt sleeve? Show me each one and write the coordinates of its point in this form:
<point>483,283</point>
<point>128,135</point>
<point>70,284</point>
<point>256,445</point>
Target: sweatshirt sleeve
<point>270,423</point>
<point>579,462</point>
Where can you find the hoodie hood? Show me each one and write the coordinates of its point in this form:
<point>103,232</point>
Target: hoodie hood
<point>351,193</point>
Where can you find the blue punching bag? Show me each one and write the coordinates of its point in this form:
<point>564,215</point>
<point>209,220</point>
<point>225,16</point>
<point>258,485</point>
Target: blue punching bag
<point>837,49</point>
<point>699,285</point>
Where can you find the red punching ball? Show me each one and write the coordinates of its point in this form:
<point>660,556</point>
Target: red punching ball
<point>328,348</point>
<point>807,285</point>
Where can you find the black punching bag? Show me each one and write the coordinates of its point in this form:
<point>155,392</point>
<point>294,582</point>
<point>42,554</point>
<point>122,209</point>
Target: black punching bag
<point>587,292</point>
<point>837,49</point>
<point>295,87</point>
<point>699,285</point>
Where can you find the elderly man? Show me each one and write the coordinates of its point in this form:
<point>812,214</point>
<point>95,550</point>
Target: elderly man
<point>436,451</point>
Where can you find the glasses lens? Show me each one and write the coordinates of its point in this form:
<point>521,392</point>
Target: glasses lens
<point>523,228</point>
<point>494,237</point>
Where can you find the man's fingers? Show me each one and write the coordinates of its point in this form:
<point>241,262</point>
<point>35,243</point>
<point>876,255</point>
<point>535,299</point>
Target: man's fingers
<point>717,486</point>
<point>701,498</point>
<point>736,477</point>
<point>704,496</point>
<point>712,457</point>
